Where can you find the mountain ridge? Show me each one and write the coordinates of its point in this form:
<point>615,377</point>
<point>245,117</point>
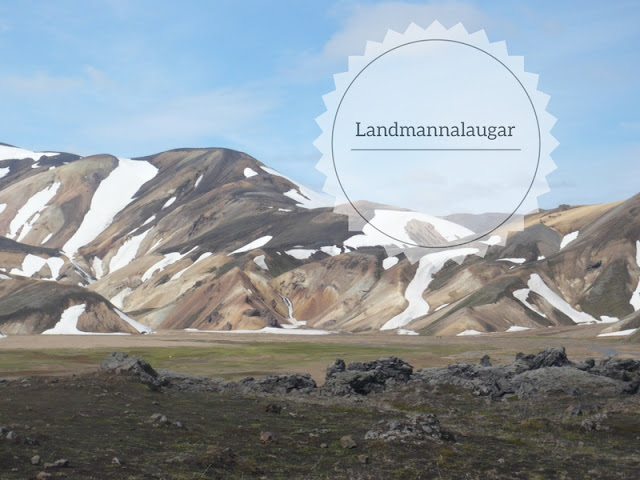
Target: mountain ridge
<point>212,239</point>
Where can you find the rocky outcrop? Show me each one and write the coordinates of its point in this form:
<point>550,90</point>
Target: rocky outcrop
<point>366,377</point>
<point>415,429</point>
<point>119,362</point>
<point>549,371</point>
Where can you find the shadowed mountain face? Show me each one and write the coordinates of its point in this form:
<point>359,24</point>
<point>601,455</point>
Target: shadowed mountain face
<point>211,239</point>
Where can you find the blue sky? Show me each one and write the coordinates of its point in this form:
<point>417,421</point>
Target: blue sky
<point>133,78</point>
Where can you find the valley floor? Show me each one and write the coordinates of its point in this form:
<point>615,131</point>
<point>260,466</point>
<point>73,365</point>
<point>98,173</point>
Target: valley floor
<point>235,356</point>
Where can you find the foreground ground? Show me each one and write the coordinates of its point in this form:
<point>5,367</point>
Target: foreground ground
<point>104,425</point>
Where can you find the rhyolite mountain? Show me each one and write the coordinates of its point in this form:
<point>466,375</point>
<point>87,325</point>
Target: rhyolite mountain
<point>212,239</point>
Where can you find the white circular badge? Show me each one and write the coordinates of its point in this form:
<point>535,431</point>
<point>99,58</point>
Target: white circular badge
<point>436,139</point>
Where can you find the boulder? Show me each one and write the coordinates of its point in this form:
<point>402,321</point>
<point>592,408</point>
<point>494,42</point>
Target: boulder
<point>363,378</point>
<point>120,362</point>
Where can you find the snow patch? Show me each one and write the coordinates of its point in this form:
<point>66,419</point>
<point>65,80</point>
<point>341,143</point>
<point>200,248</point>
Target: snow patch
<point>55,264</point>
<point>305,197</point>
<point>259,260</point>
<point>389,262</point>
<point>4,277</point>
<point>260,242</point>
<point>137,325</point>
<point>34,206</point>
<point>301,253</point>
<point>35,165</point>
<point>467,333</point>
<point>46,239</point>
<point>168,203</point>
<point>200,258</point>
<point>112,195</point>
<point>537,285</point>
<point>15,153</point>
<point>4,171</point>
<point>169,259</point>
<point>493,240</point>
<point>522,295</point>
<point>284,210</point>
<point>68,323</point>
<point>198,180</point>
<point>512,260</point>
<point>250,172</point>
<point>31,264</point>
<point>516,328</point>
<point>620,333</point>
<point>394,223</point>
<point>429,265</point>
<point>402,331</point>
<point>332,250</point>
<point>441,307</point>
<point>567,239</point>
<point>127,252</point>
<point>149,220</point>
<point>118,300</point>
<point>2,207</point>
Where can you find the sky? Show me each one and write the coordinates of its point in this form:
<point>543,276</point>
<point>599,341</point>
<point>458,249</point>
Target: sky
<point>133,78</point>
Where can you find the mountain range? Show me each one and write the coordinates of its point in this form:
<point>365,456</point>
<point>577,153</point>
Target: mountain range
<point>212,239</point>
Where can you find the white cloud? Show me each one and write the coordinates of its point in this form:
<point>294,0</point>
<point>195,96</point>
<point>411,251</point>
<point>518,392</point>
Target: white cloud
<point>371,22</point>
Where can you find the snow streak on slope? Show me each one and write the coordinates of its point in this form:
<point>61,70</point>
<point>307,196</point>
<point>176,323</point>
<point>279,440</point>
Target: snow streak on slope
<point>522,295</point>
<point>305,197</point>
<point>394,223</point>
<point>137,325</point>
<point>567,239</point>
<point>112,195</point>
<point>169,259</point>
<point>4,172</point>
<point>429,265</point>
<point>33,207</point>
<point>127,252</point>
<point>512,260</point>
<point>260,242</point>
<point>620,333</point>
<point>537,285</point>
<point>200,258</point>
<point>635,297</point>
<point>198,180</point>
<point>168,203</point>
<point>68,324</point>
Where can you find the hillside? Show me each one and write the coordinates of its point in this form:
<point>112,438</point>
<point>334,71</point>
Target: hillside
<point>212,239</point>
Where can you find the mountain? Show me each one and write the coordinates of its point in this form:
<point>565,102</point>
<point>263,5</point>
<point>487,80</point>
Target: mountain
<point>212,239</point>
